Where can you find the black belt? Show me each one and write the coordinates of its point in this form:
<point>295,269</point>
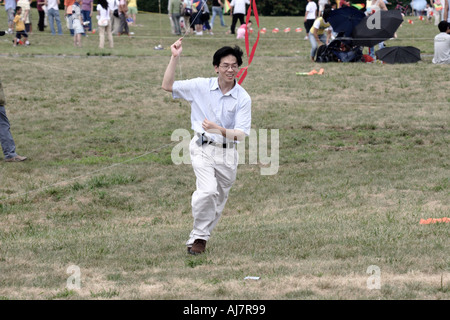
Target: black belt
<point>205,140</point>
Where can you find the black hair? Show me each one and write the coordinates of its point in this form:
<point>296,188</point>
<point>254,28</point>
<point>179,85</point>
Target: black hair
<point>443,26</point>
<point>18,8</point>
<point>103,3</point>
<point>326,13</point>
<point>226,51</point>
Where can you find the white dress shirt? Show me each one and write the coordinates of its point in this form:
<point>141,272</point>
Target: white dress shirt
<point>230,111</point>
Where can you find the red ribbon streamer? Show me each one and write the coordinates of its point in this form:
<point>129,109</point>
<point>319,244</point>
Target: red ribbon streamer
<point>243,72</point>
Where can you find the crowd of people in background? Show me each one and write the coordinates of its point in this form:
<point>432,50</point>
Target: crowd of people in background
<point>193,16</point>
<point>186,16</point>
<point>319,31</point>
<point>116,16</point>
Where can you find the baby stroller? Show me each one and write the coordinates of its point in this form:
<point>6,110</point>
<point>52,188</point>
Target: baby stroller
<point>340,49</point>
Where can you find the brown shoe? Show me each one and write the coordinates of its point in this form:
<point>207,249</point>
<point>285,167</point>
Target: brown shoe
<point>16,159</point>
<point>198,247</point>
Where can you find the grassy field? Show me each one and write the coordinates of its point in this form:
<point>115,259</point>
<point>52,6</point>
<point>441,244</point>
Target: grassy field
<point>363,157</point>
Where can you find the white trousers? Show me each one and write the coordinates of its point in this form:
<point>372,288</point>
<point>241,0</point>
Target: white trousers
<point>102,31</point>
<point>215,170</point>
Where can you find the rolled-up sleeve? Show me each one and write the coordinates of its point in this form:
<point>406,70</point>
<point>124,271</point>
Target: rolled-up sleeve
<point>243,119</point>
<point>185,89</point>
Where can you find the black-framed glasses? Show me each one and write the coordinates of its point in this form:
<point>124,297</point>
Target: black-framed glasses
<point>225,67</point>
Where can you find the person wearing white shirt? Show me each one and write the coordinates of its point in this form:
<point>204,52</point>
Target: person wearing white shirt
<point>322,4</point>
<point>442,44</point>
<point>310,16</point>
<point>113,5</point>
<point>104,23</point>
<point>53,16</point>
<point>237,11</point>
<point>220,118</point>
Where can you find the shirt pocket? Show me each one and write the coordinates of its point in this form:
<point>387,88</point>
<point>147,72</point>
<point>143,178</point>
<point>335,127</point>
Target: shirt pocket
<point>230,108</point>
<point>229,114</point>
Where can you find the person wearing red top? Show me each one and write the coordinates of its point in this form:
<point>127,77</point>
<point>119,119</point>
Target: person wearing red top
<point>68,13</point>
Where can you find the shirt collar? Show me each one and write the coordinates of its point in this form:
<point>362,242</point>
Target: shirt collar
<point>215,86</point>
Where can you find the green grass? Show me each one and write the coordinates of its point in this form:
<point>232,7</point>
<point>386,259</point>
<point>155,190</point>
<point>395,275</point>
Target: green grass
<point>363,157</point>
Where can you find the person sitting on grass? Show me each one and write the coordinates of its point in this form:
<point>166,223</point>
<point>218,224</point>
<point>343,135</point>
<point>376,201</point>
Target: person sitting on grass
<point>20,29</point>
<point>442,44</point>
